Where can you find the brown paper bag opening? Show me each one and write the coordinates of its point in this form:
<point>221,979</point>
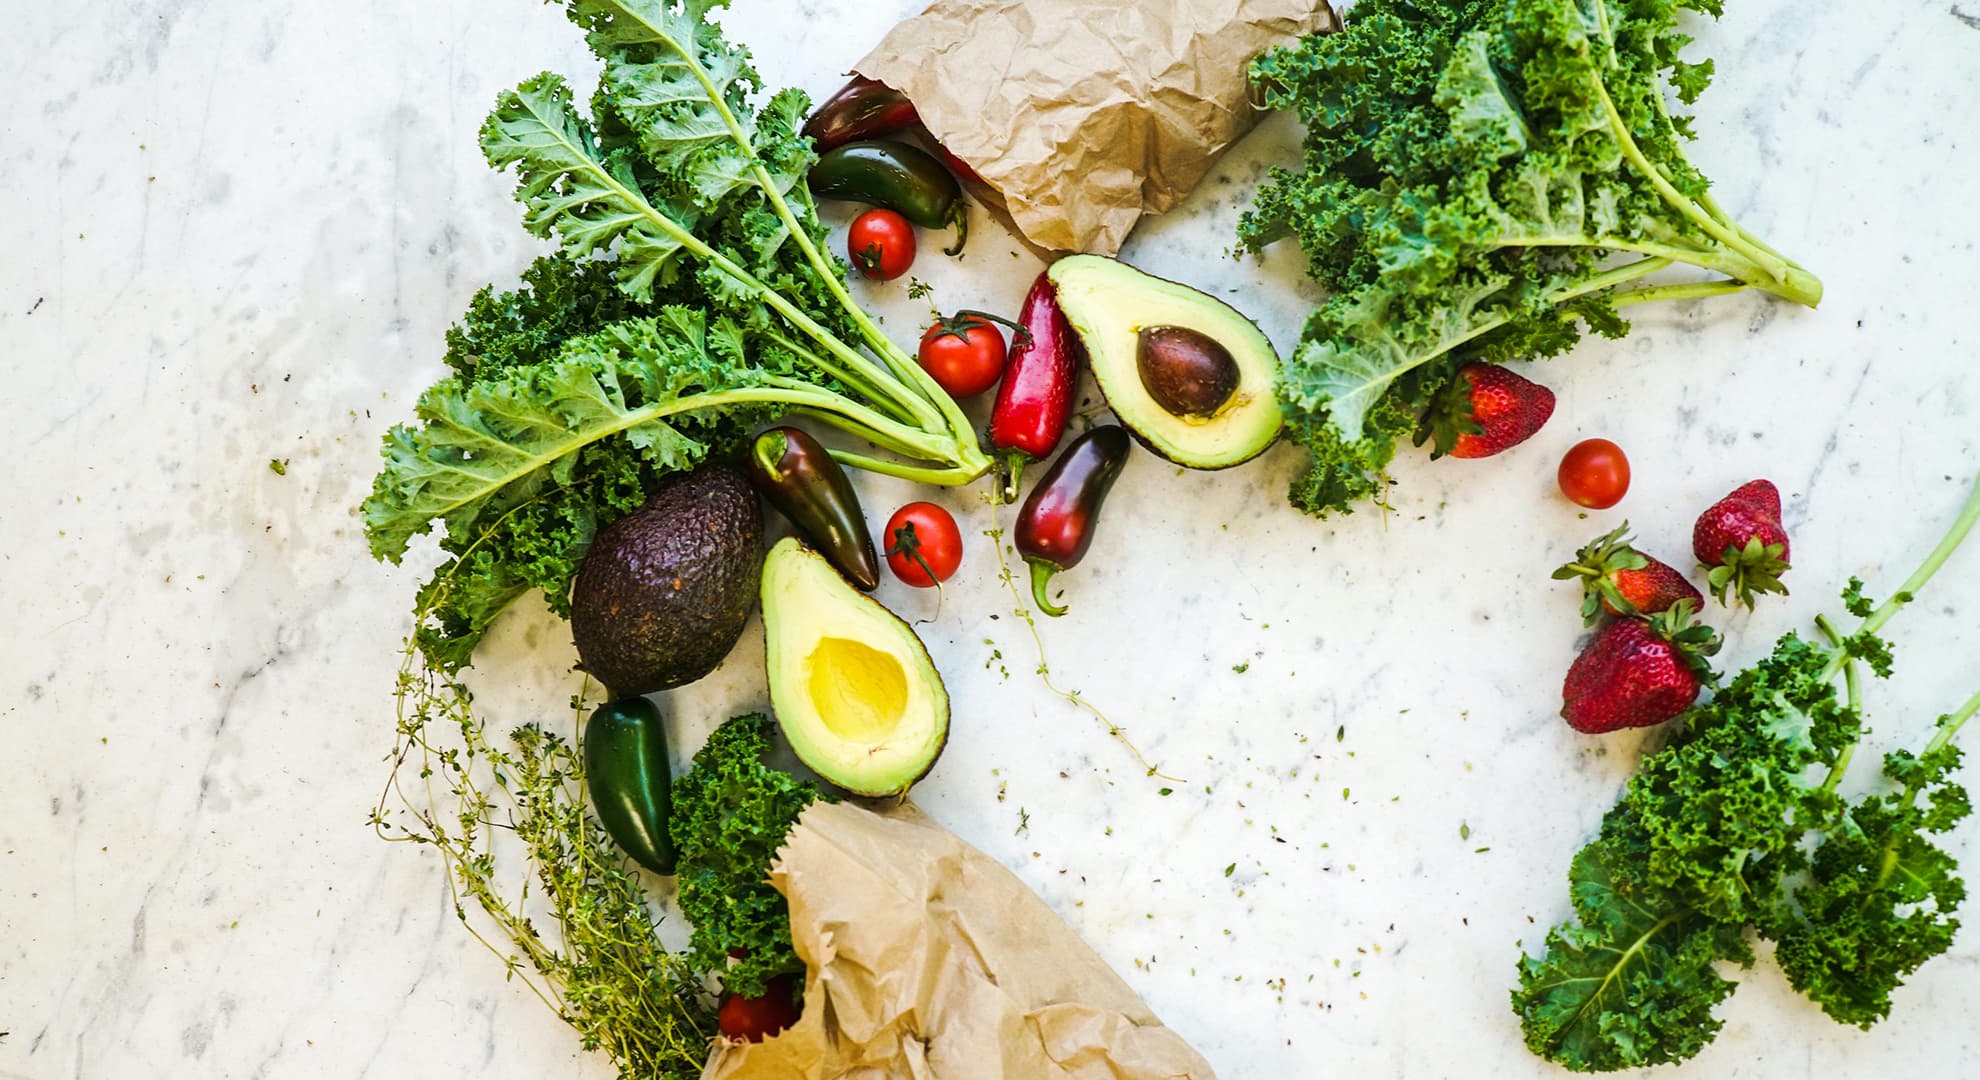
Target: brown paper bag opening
<point>1085,116</point>
<point>927,960</point>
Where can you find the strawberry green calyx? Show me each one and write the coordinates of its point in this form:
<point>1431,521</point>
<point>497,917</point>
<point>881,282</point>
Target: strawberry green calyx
<point>1597,565</point>
<point>1745,572</point>
<point>1692,641</point>
<point>1619,579</point>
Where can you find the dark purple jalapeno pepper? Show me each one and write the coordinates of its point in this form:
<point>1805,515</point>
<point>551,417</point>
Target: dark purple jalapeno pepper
<point>802,481</point>
<point>863,109</point>
<point>1056,525</point>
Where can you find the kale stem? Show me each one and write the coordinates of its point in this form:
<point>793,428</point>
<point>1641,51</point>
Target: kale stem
<point>1968,515</point>
<point>903,367</point>
<point>1852,681</point>
<point>859,383</point>
<point>1799,285</point>
<point>877,436</point>
<point>1950,724</point>
<point>1687,291</point>
<point>953,476</point>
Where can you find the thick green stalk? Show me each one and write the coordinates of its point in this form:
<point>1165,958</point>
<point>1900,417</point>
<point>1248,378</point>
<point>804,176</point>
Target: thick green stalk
<point>953,476</point>
<point>1688,291</point>
<point>1968,515</point>
<point>1606,280</point>
<point>793,393</point>
<point>915,412</point>
<point>903,366</point>
<point>1803,288</point>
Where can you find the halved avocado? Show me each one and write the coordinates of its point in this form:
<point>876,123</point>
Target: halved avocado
<point>853,687</point>
<point>1190,377</point>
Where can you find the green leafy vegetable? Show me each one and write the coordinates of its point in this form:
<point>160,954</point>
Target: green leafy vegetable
<point>1481,178</point>
<point>691,300</point>
<point>688,303</point>
<point>597,961</point>
<point>1711,838</point>
<point>731,812</point>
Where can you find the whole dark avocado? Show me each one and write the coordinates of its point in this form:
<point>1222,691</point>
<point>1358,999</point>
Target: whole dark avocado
<point>664,592</point>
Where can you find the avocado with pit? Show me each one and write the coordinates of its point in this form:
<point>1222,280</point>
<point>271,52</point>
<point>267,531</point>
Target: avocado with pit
<point>1189,377</point>
<point>858,698</point>
<point>665,591</point>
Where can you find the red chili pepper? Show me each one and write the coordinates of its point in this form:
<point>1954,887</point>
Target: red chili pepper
<point>1036,397</point>
<point>864,109</point>
<point>1056,525</point>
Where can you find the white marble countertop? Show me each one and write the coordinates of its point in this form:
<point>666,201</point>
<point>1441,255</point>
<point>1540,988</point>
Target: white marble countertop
<point>235,233</point>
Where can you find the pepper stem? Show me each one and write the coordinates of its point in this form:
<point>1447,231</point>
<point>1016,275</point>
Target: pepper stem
<point>769,449</point>
<point>1013,469</point>
<point>959,217</point>
<point>1041,576</point>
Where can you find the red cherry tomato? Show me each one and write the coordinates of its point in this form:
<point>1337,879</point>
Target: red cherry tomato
<point>1595,474</point>
<point>924,547</point>
<point>965,355</point>
<point>881,244</point>
<point>758,1018</point>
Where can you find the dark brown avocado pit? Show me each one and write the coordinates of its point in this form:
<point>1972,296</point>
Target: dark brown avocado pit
<point>1186,372</point>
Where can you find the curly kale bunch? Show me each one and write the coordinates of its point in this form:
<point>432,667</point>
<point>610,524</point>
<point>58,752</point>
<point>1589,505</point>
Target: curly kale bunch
<point>731,813</point>
<point>1737,825</point>
<point>1482,178</point>
<point>692,299</point>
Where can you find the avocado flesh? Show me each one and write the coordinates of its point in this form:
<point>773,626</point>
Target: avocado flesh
<point>854,689</point>
<point>1110,303</point>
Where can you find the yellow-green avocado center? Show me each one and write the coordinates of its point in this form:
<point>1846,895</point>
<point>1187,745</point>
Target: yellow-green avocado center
<point>1110,304</point>
<point>853,688</point>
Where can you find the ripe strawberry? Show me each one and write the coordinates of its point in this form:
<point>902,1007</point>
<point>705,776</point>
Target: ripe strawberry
<point>1483,410</point>
<point>1638,672</point>
<point>1739,539</point>
<point>1620,580</point>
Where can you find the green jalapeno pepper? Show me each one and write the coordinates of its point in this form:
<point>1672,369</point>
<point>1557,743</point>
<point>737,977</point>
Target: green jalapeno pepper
<point>629,780</point>
<point>902,178</point>
<point>802,481</point>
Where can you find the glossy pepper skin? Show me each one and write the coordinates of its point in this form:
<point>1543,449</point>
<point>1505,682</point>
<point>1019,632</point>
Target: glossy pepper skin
<point>1056,525</point>
<point>1035,399</point>
<point>790,469</point>
<point>862,109</point>
<point>902,178</point>
<point>629,781</point>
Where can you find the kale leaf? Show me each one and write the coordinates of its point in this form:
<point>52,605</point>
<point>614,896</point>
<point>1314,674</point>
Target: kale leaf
<point>567,403</point>
<point>1711,839</point>
<point>731,813</point>
<point>1481,178</point>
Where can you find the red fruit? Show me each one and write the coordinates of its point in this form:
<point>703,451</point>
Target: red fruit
<point>924,546</point>
<point>758,1018</point>
<point>1594,473</point>
<point>1620,580</point>
<point>880,244</point>
<point>1483,410</point>
<point>1741,541</point>
<point>1638,672</point>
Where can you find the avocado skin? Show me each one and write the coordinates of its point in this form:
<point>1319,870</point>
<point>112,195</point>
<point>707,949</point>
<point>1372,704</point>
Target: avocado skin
<point>665,591</point>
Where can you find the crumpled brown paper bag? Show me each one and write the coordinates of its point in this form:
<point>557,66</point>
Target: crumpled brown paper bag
<point>1084,115</point>
<point>927,960</point>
